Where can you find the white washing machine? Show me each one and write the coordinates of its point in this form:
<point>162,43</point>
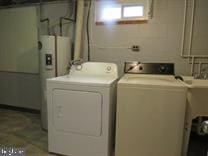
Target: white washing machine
<point>81,110</point>
<point>150,111</point>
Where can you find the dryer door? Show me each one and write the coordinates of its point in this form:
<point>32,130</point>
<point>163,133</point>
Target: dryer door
<point>77,112</point>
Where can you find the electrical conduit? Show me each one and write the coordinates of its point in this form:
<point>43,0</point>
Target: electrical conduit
<point>191,32</point>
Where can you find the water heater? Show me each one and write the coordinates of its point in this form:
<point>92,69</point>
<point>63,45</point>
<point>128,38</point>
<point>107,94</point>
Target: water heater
<point>54,60</point>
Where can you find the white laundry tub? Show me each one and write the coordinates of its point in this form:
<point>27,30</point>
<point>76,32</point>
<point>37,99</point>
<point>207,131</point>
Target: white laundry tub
<point>197,104</point>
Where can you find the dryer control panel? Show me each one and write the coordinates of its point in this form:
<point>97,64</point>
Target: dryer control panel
<point>149,68</point>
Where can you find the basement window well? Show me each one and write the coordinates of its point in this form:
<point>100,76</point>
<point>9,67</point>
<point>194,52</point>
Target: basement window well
<point>122,12</point>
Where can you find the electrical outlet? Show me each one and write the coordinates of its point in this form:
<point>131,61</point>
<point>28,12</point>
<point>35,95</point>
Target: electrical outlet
<point>48,61</point>
<point>135,48</point>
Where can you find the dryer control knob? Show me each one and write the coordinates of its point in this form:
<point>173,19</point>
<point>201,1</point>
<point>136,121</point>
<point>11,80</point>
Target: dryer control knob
<point>79,67</point>
<point>109,68</point>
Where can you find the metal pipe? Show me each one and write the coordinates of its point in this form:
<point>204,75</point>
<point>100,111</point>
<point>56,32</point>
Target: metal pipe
<point>190,56</point>
<point>150,14</point>
<point>200,56</point>
<point>79,29</point>
<point>192,27</point>
<point>192,66</point>
<point>191,32</point>
<point>56,56</point>
<point>48,24</point>
<point>184,27</point>
<point>199,68</point>
<point>61,23</point>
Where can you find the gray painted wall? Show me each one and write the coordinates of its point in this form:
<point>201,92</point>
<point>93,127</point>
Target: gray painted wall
<point>23,90</point>
<point>160,39</point>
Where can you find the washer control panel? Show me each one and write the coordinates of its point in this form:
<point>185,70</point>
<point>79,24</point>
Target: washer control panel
<point>149,68</point>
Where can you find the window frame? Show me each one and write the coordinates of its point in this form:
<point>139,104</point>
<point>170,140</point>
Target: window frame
<point>123,20</point>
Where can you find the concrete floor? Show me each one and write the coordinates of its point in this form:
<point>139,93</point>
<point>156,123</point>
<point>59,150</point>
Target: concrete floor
<point>23,130</point>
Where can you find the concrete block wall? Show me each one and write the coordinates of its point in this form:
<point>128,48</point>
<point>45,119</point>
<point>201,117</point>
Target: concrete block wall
<point>159,39</point>
<point>23,90</point>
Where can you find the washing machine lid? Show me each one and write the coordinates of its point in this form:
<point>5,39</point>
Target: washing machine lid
<point>86,80</point>
<point>151,80</point>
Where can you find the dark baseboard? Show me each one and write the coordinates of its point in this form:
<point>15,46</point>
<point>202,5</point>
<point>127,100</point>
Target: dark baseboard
<point>20,109</point>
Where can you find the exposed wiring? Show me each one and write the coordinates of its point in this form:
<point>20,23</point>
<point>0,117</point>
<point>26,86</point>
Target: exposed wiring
<point>56,21</point>
<point>151,9</point>
<point>69,13</point>
<point>88,35</point>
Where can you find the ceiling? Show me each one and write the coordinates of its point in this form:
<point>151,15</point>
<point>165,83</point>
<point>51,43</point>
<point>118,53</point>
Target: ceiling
<point>14,3</point>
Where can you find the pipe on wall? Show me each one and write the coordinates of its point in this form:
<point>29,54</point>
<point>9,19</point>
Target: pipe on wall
<point>192,27</point>
<point>191,58</point>
<point>190,33</point>
<point>48,24</point>
<point>184,28</point>
<point>79,29</point>
<point>61,23</point>
<point>192,66</point>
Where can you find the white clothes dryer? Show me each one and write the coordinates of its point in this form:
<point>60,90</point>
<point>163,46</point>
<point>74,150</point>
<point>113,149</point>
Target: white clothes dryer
<point>81,110</point>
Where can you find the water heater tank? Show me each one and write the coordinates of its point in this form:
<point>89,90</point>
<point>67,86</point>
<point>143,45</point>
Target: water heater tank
<point>55,52</point>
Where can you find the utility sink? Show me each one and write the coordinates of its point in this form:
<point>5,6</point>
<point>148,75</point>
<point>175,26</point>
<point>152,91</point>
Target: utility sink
<point>197,104</point>
<point>197,83</point>
<point>197,96</point>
